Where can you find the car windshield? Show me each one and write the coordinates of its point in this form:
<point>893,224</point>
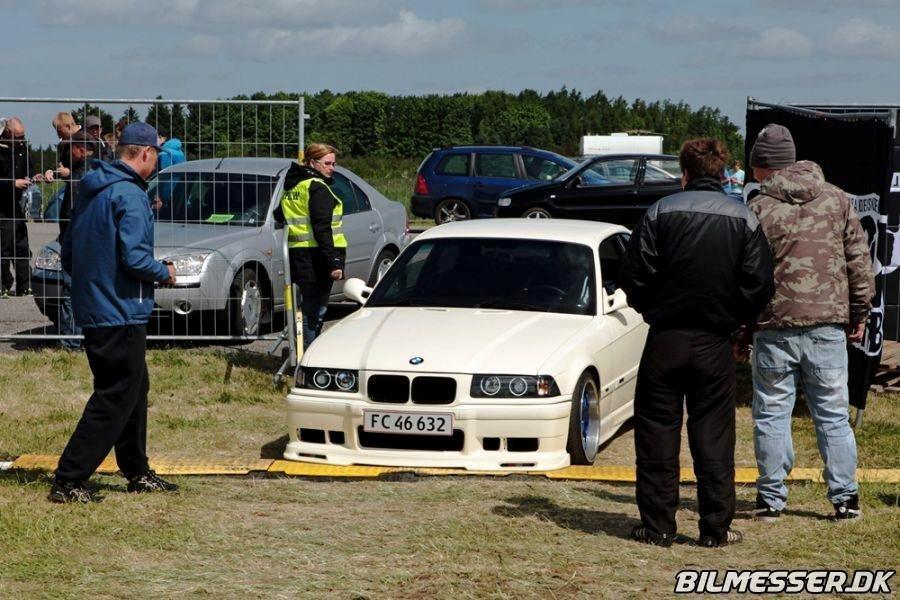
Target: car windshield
<point>530,275</point>
<point>235,199</point>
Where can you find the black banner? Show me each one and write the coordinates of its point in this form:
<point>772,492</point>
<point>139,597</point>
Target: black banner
<point>856,154</point>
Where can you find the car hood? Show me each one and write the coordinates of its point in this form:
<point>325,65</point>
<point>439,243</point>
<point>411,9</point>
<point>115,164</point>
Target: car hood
<point>448,340</point>
<point>535,188</point>
<point>178,236</point>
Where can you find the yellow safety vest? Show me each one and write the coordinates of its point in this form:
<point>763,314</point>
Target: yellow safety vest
<point>295,206</point>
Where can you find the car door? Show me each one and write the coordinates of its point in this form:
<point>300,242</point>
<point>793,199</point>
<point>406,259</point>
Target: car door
<point>659,177</point>
<point>627,331</point>
<point>494,173</point>
<point>358,229</point>
<point>605,190</point>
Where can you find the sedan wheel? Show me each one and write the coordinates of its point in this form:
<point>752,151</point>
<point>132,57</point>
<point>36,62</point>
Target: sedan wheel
<point>382,263</point>
<point>537,213</point>
<point>584,421</point>
<point>450,210</point>
<point>246,304</point>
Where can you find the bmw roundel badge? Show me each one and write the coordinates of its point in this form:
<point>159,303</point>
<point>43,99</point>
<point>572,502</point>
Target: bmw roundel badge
<point>416,360</point>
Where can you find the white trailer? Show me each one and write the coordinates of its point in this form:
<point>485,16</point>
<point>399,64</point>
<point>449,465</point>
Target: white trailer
<point>621,143</point>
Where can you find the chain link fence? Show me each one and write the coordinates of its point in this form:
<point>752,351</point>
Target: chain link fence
<point>223,164</point>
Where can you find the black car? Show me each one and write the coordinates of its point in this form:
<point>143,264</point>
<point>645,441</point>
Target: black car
<point>614,188</point>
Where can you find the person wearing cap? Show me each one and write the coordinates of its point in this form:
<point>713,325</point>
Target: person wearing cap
<point>824,287</point>
<point>94,127</point>
<point>108,252</point>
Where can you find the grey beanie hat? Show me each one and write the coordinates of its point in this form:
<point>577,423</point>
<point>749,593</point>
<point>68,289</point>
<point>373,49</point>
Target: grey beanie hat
<point>773,148</point>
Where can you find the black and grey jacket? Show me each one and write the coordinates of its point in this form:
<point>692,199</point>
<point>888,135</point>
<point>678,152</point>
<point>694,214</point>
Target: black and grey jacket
<point>698,260</point>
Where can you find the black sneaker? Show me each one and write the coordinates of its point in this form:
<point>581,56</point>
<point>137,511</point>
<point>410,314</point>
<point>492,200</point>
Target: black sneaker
<point>764,512</point>
<point>848,509</point>
<point>73,491</point>
<point>641,534</point>
<point>732,536</point>
<point>150,482</point>
<point>6,294</point>
<point>27,292</point>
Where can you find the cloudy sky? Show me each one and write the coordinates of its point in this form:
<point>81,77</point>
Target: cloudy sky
<point>713,52</point>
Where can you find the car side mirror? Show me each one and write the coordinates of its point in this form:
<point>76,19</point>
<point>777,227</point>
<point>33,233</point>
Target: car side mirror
<point>615,302</point>
<point>357,290</point>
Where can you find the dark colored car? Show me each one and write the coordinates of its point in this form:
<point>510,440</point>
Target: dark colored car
<point>464,182</point>
<point>615,188</point>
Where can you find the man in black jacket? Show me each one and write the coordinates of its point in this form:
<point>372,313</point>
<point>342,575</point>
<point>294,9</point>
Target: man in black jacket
<point>15,169</point>
<point>698,266</point>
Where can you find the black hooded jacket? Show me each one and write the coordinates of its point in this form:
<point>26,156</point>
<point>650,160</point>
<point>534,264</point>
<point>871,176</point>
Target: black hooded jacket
<point>14,164</point>
<point>310,265</point>
<point>698,260</point>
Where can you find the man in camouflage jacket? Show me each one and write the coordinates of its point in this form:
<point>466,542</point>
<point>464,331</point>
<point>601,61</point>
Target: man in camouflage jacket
<point>824,285</point>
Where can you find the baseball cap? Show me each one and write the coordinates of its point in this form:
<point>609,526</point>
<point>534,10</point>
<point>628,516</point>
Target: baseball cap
<point>91,121</point>
<point>139,134</point>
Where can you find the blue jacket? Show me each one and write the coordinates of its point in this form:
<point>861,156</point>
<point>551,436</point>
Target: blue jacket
<point>108,249</point>
<point>172,154</point>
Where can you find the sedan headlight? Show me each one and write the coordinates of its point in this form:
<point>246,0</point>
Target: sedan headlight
<point>513,386</point>
<point>188,265</point>
<point>504,201</point>
<point>48,260</point>
<point>330,380</point>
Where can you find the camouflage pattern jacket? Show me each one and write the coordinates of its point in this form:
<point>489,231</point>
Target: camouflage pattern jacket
<point>823,271</point>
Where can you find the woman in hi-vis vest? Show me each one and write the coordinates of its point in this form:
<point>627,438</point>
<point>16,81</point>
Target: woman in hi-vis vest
<point>317,248</point>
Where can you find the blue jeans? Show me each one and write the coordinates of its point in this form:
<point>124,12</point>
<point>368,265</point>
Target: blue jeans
<point>815,357</point>
<point>314,304</point>
<point>66,324</point>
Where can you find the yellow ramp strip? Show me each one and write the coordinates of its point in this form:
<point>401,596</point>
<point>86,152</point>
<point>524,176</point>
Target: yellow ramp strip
<point>303,469</point>
<point>179,466</point>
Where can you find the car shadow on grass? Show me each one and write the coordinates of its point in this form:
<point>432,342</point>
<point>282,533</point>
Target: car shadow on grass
<point>275,449</point>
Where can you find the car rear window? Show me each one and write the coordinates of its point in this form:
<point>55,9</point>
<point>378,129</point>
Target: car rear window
<point>453,164</point>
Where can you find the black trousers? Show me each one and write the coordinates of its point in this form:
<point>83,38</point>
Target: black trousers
<point>116,413</point>
<point>693,368</point>
<point>15,256</point>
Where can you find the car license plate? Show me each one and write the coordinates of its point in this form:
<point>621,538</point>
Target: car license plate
<point>408,423</point>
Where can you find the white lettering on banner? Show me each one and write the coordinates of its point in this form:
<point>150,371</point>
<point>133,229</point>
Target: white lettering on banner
<point>765,581</point>
<point>895,182</point>
<point>869,217</point>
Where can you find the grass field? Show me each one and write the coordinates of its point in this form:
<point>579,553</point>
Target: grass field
<point>407,537</point>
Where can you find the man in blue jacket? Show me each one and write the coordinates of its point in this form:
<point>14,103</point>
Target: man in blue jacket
<point>108,251</point>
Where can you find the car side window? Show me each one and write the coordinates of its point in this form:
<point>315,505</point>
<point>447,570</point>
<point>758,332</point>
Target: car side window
<point>611,252</point>
<point>343,189</point>
<point>659,171</point>
<point>542,169</point>
<point>614,171</point>
<point>362,199</point>
<point>453,164</point>
<point>495,165</point>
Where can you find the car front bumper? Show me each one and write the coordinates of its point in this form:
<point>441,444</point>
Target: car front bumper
<point>336,417</point>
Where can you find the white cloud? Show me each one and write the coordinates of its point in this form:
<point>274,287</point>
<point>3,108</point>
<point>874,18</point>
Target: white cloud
<point>407,35</point>
<point>861,38</point>
<point>781,43</point>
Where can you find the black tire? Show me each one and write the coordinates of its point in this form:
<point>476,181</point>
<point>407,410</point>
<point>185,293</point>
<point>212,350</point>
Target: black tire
<point>384,258</point>
<point>582,447</point>
<point>451,209</point>
<point>536,212</point>
<point>248,305</point>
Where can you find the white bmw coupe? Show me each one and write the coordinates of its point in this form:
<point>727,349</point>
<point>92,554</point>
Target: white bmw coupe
<point>489,345</point>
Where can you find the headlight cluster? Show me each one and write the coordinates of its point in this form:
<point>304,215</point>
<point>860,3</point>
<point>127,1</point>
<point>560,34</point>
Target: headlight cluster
<point>188,265</point>
<point>48,260</point>
<point>333,380</point>
<point>513,386</point>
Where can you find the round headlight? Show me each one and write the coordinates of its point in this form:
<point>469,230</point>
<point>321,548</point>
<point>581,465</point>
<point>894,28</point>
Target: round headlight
<point>322,379</point>
<point>518,386</point>
<point>490,385</point>
<point>345,380</point>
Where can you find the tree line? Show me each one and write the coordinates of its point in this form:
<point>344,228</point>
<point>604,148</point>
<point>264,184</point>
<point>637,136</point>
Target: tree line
<point>362,124</point>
